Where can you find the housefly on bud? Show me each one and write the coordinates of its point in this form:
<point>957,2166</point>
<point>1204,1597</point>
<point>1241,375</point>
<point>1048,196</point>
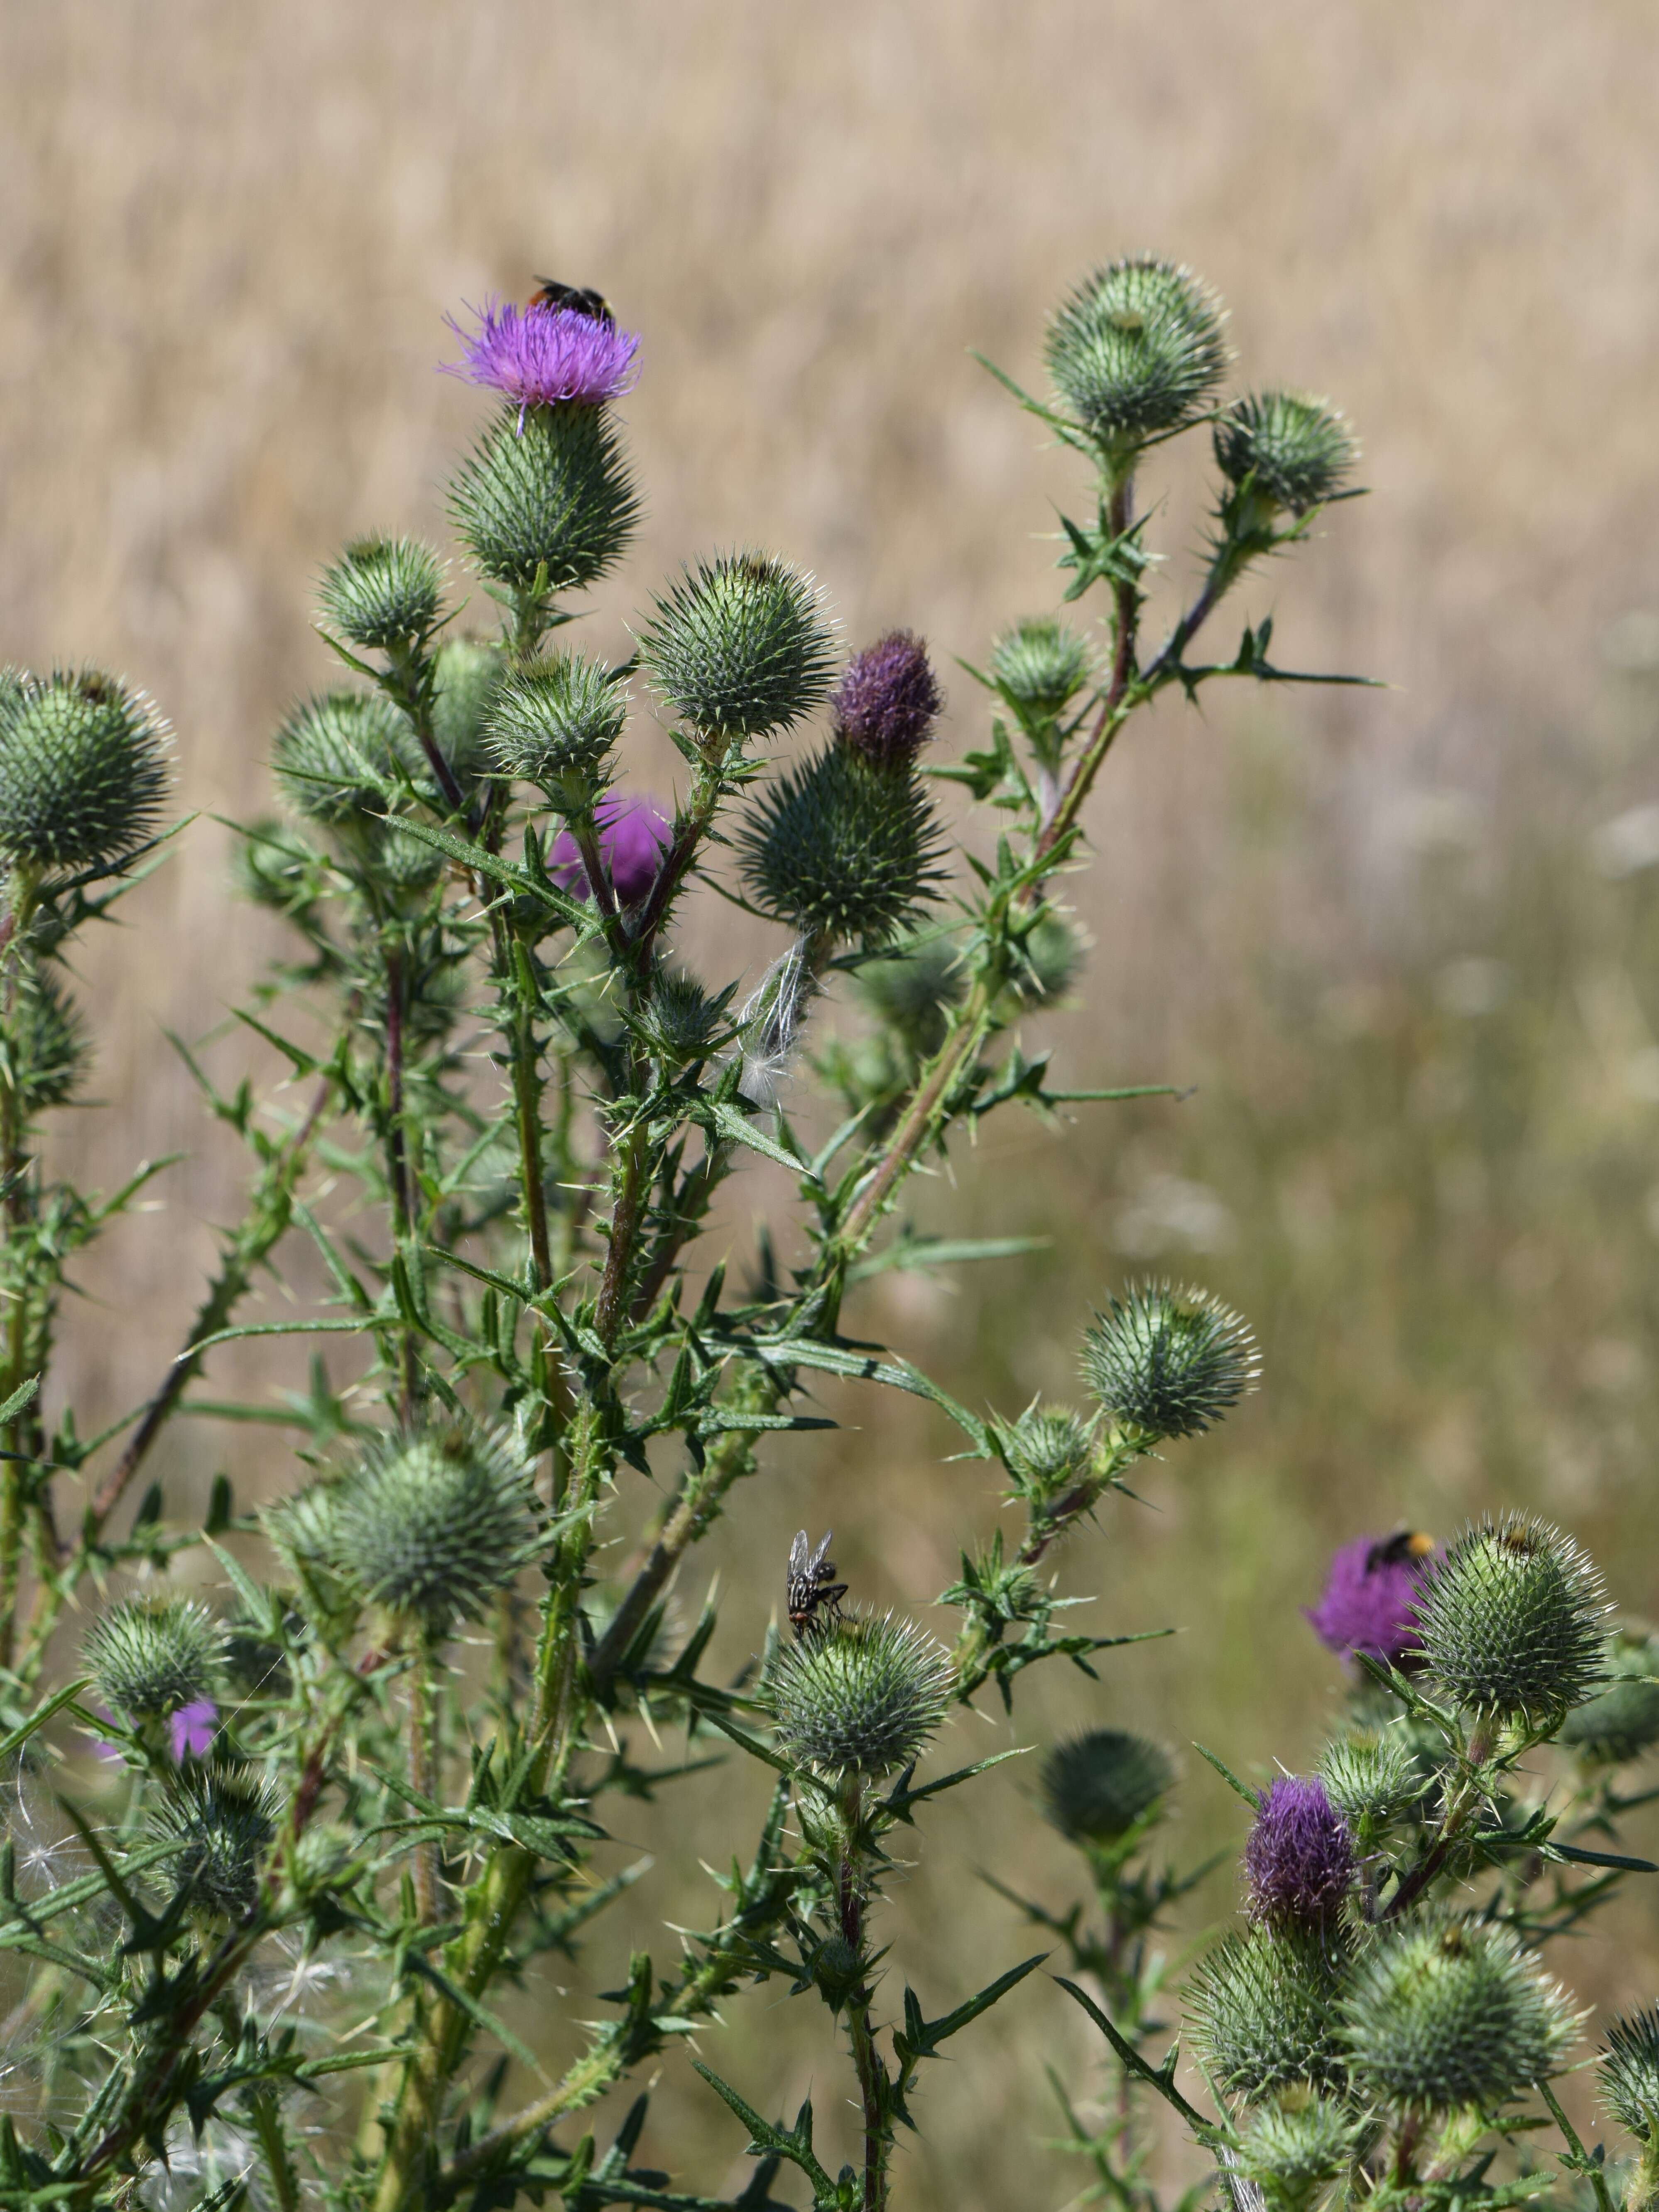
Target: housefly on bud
<point>810,1584</point>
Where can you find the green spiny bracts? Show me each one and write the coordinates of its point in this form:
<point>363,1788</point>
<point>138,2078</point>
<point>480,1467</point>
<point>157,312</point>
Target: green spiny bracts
<point>1513,1618</point>
<point>740,647</point>
<point>1049,958</point>
<point>340,757</point>
<point>680,1022</point>
<point>151,1655</point>
<point>1169,1363</point>
<point>1298,449</point>
<point>222,1819</point>
<point>467,672</point>
<point>1039,666</point>
<point>554,723</point>
<point>913,987</point>
<point>841,849</point>
<point>47,1051</point>
<point>83,769</point>
<point>1628,2066</point>
<point>1450,2012</point>
<point>1291,2146</point>
<point>1371,1780</point>
<point>1261,2008</point>
<point>432,1523</point>
<point>1047,1452</point>
<point>383,593</point>
<point>1098,1787</point>
<point>546,501</point>
<point>858,1699</point>
<point>1623,1721</point>
<point>1136,352</point>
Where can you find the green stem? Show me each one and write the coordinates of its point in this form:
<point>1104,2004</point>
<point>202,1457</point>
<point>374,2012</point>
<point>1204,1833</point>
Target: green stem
<point>398,1175</point>
<point>866,2065</point>
<point>422,1776</point>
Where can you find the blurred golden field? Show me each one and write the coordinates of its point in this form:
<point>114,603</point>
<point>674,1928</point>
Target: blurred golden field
<point>1389,937</point>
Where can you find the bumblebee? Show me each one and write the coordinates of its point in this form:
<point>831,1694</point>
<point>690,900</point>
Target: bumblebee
<point>575,299</point>
<point>1394,1551</point>
<point>809,1584</point>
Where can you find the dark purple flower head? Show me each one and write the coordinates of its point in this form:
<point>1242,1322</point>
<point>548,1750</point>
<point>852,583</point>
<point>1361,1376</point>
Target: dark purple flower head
<point>1298,1862</point>
<point>1368,1595</point>
<point>885,704</point>
<point>633,837</point>
<point>541,356</point>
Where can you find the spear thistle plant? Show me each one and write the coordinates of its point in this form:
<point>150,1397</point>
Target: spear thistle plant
<point>373,1742</point>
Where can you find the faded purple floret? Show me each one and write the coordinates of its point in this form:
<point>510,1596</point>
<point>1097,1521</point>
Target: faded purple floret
<point>886,702</point>
<point>191,1729</point>
<point>1298,1862</point>
<point>541,356</point>
<point>633,836</point>
<point>1368,1599</point>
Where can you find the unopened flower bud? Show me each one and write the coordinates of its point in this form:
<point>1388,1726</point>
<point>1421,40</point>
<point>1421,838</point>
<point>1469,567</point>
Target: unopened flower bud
<point>467,674</point>
<point>339,758</point>
<point>552,497</point>
<point>1039,666</point>
<point>1050,955</point>
<point>383,592</point>
<point>886,703</point>
<point>83,769</point>
<point>1098,1788</point>
<point>1628,2065</point>
<point>1261,2009</point>
<point>1513,1619</point>
<point>1048,1450</point>
<point>861,1700</point>
<point>1295,2144</point>
<point>1370,1780</point>
<point>223,1820</point>
<point>152,1655</point>
<point>1298,449</point>
<point>48,1048</point>
<point>1169,1363</point>
<point>740,647</point>
<point>554,723</point>
<point>1137,350</point>
<point>1299,1860</point>
<point>680,1022</point>
<point>1623,1721</point>
<point>841,849</point>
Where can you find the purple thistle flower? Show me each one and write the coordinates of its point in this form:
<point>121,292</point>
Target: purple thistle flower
<point>885,704</point>
<point>1298,1862</point>
<point>1369,1597</point>
<point>545,357</point>
<point>191,1729</point>
<point>633,837</point>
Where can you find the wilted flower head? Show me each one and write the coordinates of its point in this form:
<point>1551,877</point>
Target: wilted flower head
<point>545,357</point>
<point>1368,1595</point>
<point>1513,1618</point>
<point>1169,1363</point>
<point>1298,1862</point>
<point>860,1700</point>
<point>886,702</point>
<point>1097,1786</point>
<point>633,837</point>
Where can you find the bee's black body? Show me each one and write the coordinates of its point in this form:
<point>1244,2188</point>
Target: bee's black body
<point>580,300</point>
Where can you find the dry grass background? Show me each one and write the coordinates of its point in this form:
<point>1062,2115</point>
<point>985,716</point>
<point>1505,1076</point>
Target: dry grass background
<point>230,235</point>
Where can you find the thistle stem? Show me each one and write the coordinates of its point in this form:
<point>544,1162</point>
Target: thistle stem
<point>422,1776</point>
<point>867,2066</point>
<point>397,1176</point>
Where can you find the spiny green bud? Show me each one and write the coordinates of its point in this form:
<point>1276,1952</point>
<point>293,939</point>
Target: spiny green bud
<point>740,647</point>
<point>83,769</point>
<point>1370,1780</point>
<point>467,672</point>
<point>339,758</point>
<point>383,592</point>
<point>554,724</point>
<point>1623,1721</point>
<point>152,1655</point>
<point>1295,2143</point>
<point>1628,2065</point>
<point>1048,1450</point>
<point>1039,666</point>
<point>1049,957</point>
<point>679,1022</point>
<point>222,1819</point>
<point>841,849</point>
<point>276,867</point>
<point>403,867</point>
<point>1097,1787</point>
<point>1450,2012</point>
<point>1137,350</point>
<point>861,1700</point>
<point>1299,449</point>
<point>548,496</point>
<point>48,1051</point>
<point>432,1523</point>
<point>1169,1363</point>
<point>1261,2008</point>
<point>913,987</point>
<point>1513,1617</point>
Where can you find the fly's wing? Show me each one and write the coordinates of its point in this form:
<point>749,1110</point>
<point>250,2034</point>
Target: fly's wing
<point>818,1567</point>
<point>797,1582</point>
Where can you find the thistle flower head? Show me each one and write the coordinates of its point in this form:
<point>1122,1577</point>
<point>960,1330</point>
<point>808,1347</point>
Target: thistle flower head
<point>1513,1618</point>
<point>888,700</point>
<point>1040,665</point>
<point>1370,1780</point>
<point>1447,2012</point>
<point>1370,1591</point>
<point>633,837</point>
<point>546,501</point>
<point>467,673</point>
<point>340,757</point>
<point>222,1819</point>
<point>1622,1722</point>
<point>554,724</point>
<point>841,849</point>
<point>1048,1450</point>
<point>912,985</point>
<point>191,1728</point>
<point>860,1700</point>
<point>1299,1860</point>
<point>1261,2008</point>
<point>383,592</point>
<point>739,645</point>
<point>151,1656</point>
<point>1169,1363</point>
<point>544,356</point>
<point>1097,1787</point>
<point>431,1523</point>
<point>1628,2065</point>
<point>1295,2143</point>
<point>680,1022</point>
<point>83,769</point>
<point>1050,957</point>
<point>1137,350</point>
<point>49,1049</point>
<point>1299,450</point>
